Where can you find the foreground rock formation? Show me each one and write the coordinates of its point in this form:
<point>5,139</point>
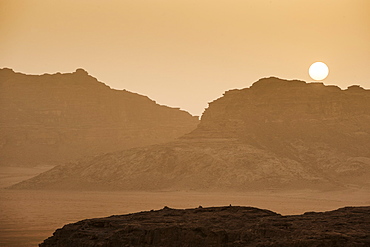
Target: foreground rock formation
<point>52,119</point>
<point>219,226</point>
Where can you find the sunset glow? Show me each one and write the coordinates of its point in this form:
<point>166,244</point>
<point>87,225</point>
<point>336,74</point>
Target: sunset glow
<point>318,71</point>
<point>185,53</point>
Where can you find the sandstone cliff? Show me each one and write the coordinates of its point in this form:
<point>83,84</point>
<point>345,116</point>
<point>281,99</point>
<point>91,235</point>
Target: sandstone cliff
<point>219,226</point>
<point>277,134</point>
<point>273,112</point>
<point>52,119</point>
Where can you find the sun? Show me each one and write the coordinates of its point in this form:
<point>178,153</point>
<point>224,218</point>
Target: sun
<point>318,71</point>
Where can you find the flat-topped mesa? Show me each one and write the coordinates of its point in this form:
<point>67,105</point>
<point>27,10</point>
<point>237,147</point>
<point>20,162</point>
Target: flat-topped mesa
<point>277,98</point>
<point>273,101</point>
<point>273,83</point>
<point>54,118</point>
<point>278,135</point>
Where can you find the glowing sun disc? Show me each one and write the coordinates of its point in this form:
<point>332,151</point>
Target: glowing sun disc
<point>318,71</point>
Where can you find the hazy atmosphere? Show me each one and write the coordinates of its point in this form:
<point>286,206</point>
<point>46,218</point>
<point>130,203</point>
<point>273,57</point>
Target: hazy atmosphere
<point>184,123</point>
<point>186,53</point>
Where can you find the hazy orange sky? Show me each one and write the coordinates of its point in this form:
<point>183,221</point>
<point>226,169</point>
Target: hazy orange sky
<point>186,53</point>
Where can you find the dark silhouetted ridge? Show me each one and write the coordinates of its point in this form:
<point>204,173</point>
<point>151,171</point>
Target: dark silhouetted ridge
<point>219,226</point>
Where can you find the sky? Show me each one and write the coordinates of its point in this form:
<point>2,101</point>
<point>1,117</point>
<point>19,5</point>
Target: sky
<point>186,53</point>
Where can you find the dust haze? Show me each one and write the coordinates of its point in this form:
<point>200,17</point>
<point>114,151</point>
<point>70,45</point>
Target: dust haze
<point>285,145</point>
<point>125,107</point>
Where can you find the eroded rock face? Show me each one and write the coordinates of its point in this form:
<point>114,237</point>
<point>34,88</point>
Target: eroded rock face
<point>277,134</point>
<point>219,226</point>
<point>52,119</point>
<point>273,112</point>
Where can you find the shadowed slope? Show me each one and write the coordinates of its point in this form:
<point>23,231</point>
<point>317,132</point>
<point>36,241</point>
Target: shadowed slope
<point>202,165</point>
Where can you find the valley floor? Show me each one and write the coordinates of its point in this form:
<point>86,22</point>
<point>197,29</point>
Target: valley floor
<point>10,175</point>
<point>28,217</point>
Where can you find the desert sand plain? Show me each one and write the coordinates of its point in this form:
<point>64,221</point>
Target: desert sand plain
<point>28,217</point>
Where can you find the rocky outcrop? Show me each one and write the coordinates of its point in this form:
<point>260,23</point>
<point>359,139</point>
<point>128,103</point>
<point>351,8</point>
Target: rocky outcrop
<point>52,119</point>
<point>219,226</point>
<point>275,113</point>
<point>277,134</point>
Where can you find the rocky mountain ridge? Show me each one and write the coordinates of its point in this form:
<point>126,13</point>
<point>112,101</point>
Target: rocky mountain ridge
<point>277,134</point>
<point>53,119</point>
<point>273,107</point>
<point>219,226</point>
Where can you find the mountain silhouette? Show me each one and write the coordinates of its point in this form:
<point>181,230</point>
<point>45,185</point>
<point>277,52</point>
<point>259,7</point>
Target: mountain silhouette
<point>219,226</point>
<point>53,119</point>
<point>277,134</point>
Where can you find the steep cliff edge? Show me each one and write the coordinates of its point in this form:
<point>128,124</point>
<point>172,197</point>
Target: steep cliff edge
<point>219,226</point>
<point>52,119</point>
<point>277,134</point>
<point>275,111</point>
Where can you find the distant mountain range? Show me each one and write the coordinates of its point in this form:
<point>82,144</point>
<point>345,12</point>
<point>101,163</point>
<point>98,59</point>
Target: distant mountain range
<point>53,119</point>
<point>277,134</point>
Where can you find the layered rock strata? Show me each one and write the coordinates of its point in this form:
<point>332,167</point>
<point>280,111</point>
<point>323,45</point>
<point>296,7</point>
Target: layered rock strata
<point>277,134</point>
<point>52,119</point>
